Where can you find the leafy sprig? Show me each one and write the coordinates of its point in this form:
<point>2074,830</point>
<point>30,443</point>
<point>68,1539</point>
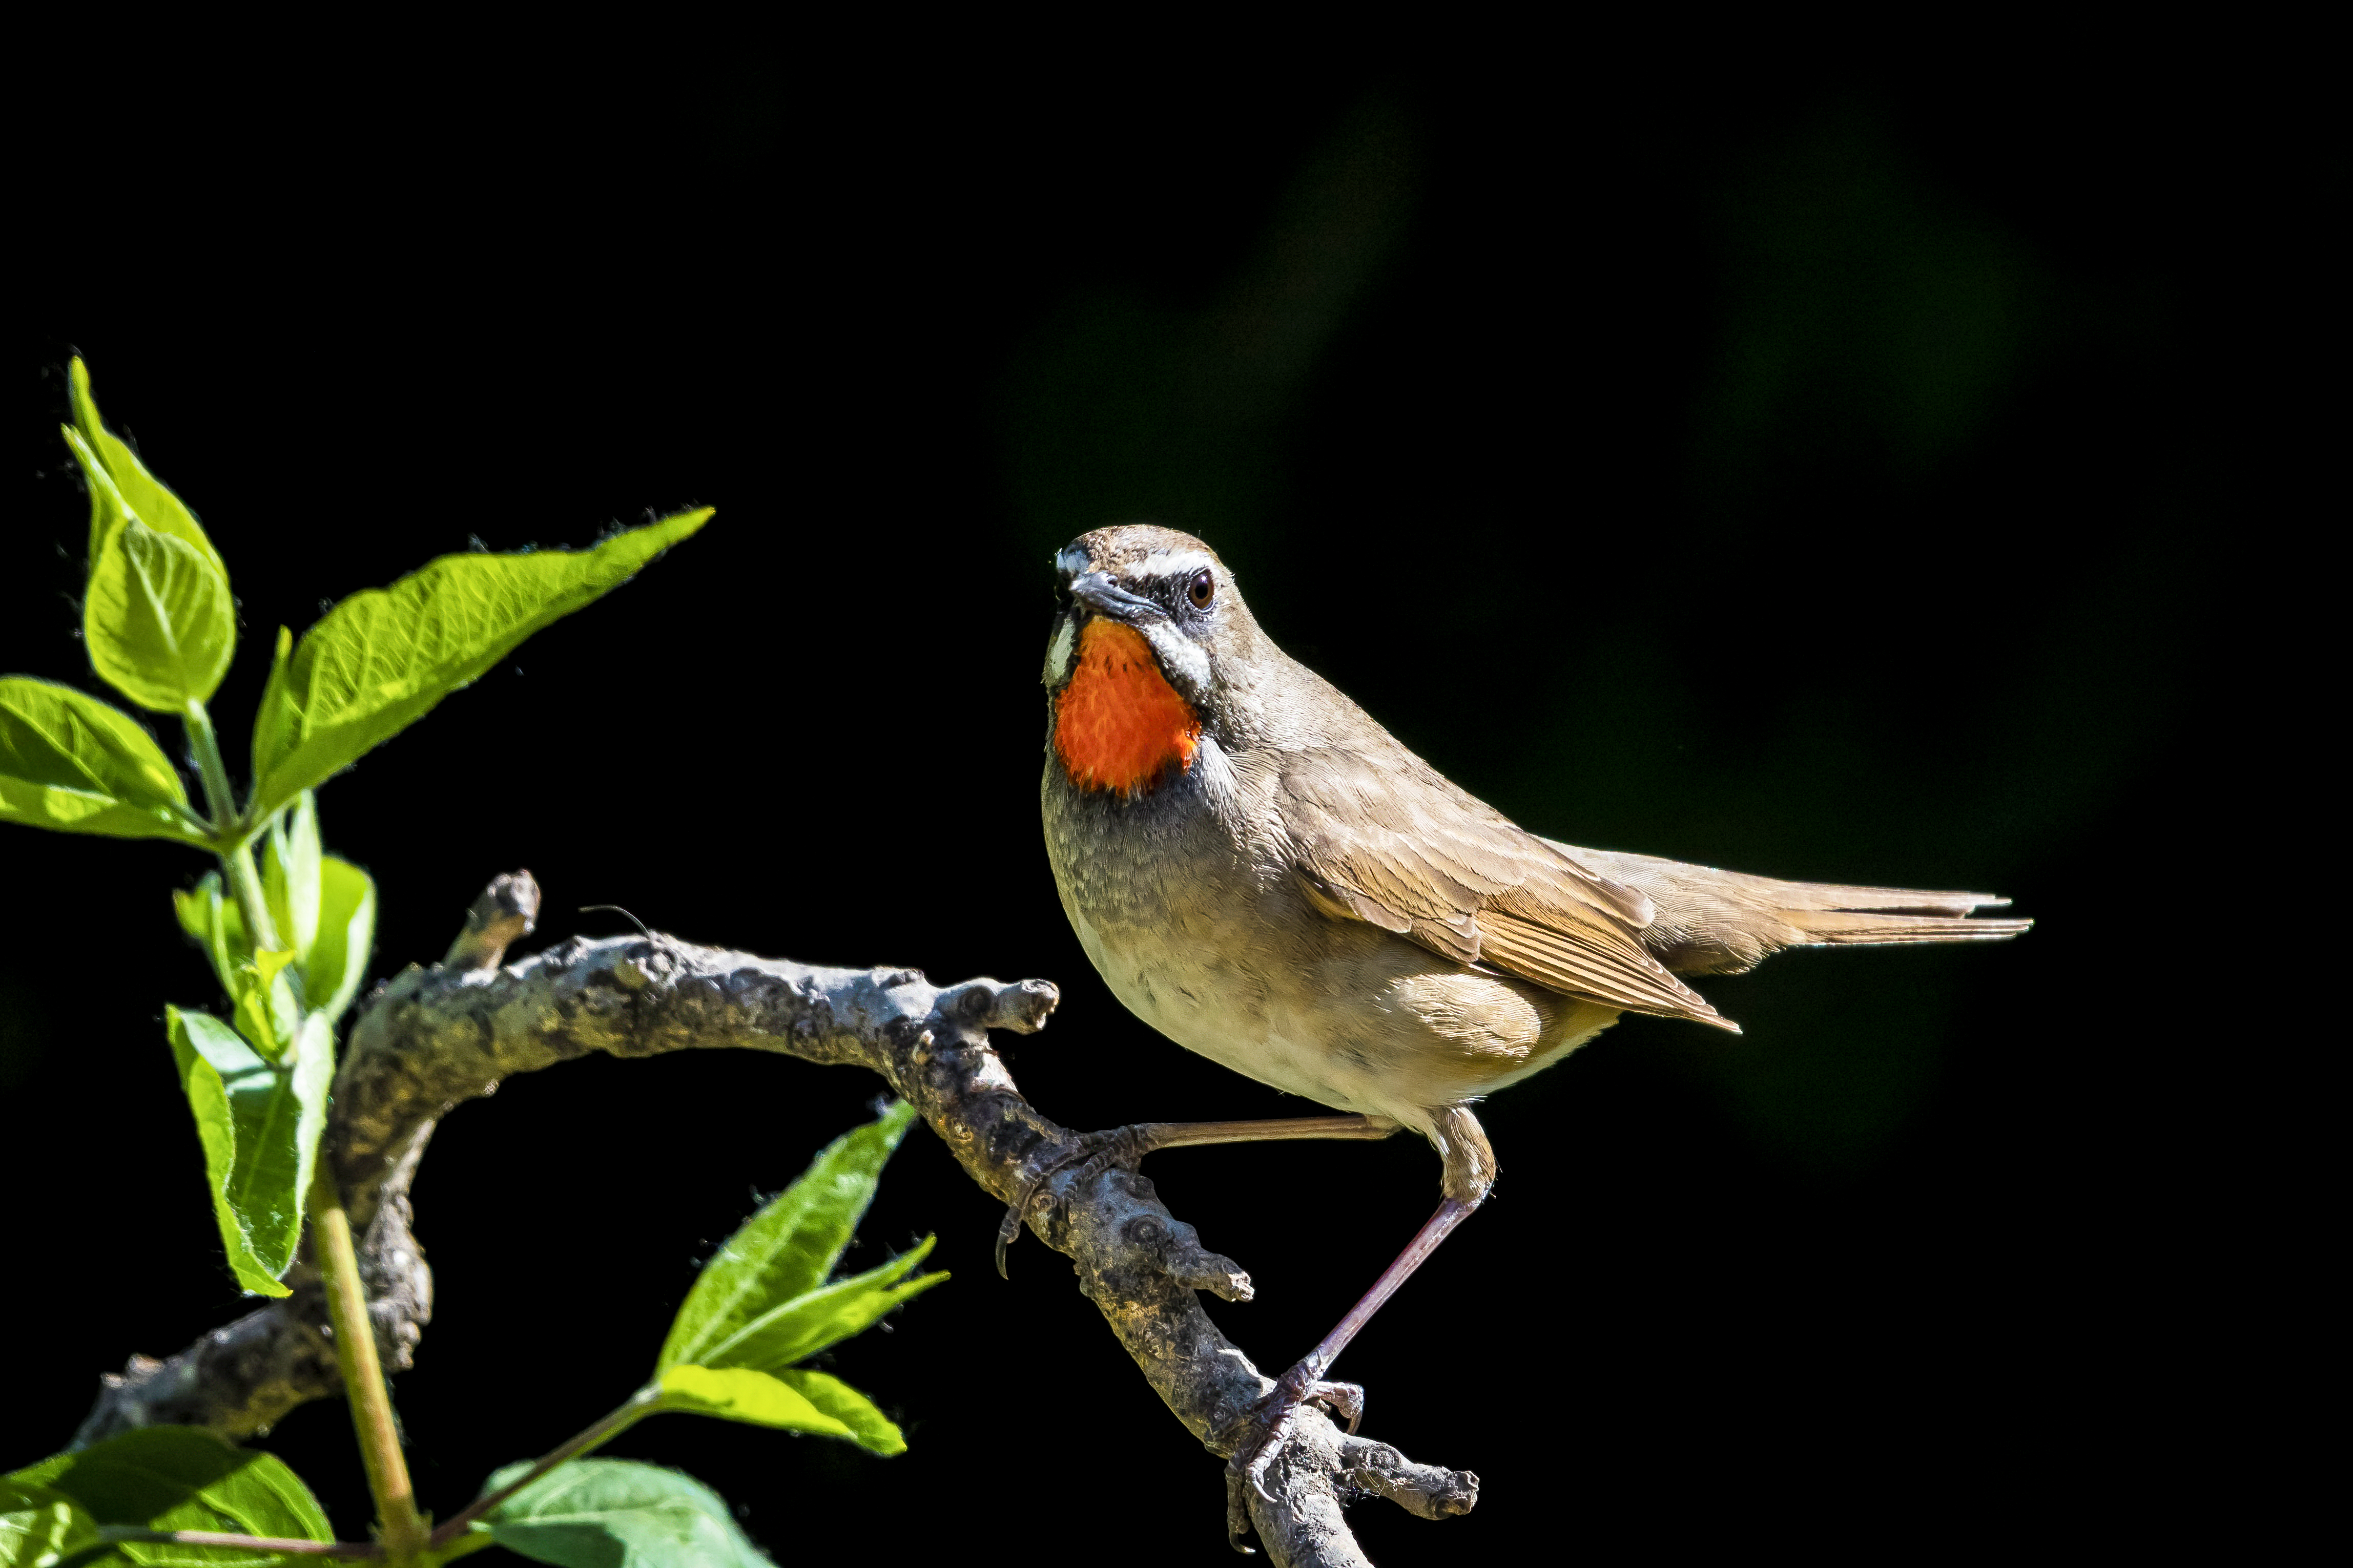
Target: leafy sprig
<point>288,935</point>
<point>767,1287</point>
<point>290,939</point>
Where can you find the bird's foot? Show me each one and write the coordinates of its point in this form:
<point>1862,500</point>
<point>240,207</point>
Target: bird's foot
<point>1092,1153</point>
<point>1257,1436</point>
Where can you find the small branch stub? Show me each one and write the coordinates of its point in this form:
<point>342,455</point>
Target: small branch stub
<point>506,912</point>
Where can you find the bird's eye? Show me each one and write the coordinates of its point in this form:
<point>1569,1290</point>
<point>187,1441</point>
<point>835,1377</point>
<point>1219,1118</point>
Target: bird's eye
<point>1201,589</point>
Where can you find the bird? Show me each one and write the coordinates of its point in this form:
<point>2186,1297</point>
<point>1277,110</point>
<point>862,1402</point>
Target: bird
<point>1266,875</point>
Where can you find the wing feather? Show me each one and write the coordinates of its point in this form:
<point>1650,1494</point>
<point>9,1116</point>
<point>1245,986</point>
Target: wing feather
<point>1565,961</point>
<point>1389,841</point>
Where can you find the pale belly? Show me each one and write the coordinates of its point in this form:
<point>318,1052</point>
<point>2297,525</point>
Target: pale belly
<point>1227,1013</point>
<point>1236,966</point>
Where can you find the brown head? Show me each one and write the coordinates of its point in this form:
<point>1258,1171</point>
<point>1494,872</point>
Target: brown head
<point>1151,647</point>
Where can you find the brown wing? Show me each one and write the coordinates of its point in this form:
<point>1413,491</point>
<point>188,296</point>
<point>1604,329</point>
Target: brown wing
<point>1389,841</point>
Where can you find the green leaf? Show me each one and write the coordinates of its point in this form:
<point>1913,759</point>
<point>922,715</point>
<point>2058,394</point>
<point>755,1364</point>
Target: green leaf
<point>614,1513</point>
<point>276,722</point>
<point>213,923</point>
<point>332,971</point>
<point>797,1401</point>
<point>336,965</point>
<point>208,1101</point>
<point>326,906</point>
<point>259,1127</point>
<point>380,661</point>
<point>868,1427</point>
<point>74,764</point>
<point>290,873</point>
<point>178,1477</point>
<point>789,1246</point>
<point>143,495</point>
<point>739,1393</point>
<point>204,916</point>
<point>40,1526</point>
<point>157,616</point>
<point>262,1005</point>
<point>794,1330</point>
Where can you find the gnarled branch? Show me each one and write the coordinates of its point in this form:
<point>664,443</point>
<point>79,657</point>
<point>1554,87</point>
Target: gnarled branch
<point>432,1038</point>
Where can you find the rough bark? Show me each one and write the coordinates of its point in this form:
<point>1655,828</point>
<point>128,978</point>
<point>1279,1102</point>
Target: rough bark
<point>433,1038</point>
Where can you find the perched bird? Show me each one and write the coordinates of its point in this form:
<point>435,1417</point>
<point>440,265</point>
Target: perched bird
<point>1266,875</point>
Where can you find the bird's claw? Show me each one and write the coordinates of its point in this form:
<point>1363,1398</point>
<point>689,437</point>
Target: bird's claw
<point>1259,1435</point>
<point>1346,1400</point>
<point>1093,1153</point>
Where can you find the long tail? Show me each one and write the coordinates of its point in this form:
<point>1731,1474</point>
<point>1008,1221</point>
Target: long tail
<point>1891,918</point>
<point>1720,922</point>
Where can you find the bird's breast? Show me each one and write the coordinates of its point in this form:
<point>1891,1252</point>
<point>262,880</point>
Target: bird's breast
<point>1197,925</point>
<point>1119,726</point>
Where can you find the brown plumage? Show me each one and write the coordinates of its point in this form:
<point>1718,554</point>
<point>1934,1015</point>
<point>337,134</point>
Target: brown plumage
<point>1219,896</point>
<point>1293,893</point>
<point>1727,923</point>
<point>1381,837</point>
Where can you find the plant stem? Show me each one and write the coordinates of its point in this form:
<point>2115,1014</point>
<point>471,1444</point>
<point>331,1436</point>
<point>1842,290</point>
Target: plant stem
<point>209,766</point>
<point>331,1227</point>
<point>640,1405</point>
<point>339,1265</point>
<point>290,1546</point>
<point>245,882</point>
<point>245,886</point>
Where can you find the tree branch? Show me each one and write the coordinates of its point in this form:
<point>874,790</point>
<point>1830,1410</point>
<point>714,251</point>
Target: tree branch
<point>430,1040</point>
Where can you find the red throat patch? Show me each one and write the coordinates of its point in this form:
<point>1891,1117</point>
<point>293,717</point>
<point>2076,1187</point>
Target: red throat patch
<point>1119,724</point>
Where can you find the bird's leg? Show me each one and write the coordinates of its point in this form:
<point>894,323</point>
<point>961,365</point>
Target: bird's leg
<point>1095,1153</point>
<point>1255,1438</point>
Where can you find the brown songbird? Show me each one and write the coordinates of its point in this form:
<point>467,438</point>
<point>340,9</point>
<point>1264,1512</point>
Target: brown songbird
<point>1267,877</point>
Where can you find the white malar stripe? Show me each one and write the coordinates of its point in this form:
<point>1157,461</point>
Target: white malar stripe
<point>1057,651</point>
<point>1180,657</point>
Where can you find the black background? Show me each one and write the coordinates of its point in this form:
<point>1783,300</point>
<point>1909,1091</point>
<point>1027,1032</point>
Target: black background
<point>1803,473</point>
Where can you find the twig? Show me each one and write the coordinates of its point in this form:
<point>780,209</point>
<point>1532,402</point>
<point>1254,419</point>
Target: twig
<point>433,1038</point>
<point>507,912</point>
<point>364,1549</point>
<point>362,1372</point>
<point>640,1405</point>
<point>329,1234</point>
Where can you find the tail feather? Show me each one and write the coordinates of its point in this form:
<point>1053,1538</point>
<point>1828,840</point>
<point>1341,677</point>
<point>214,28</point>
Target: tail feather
<point>1708,922</point>
<point>1824,927</point>
<point>1887,901</point>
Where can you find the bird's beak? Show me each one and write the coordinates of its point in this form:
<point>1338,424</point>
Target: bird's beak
<point>1105,597</point>
<point>1184,662</point>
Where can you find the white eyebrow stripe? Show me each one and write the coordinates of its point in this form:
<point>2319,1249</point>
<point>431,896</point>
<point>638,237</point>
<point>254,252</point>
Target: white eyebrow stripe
<point>1169,563</point>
